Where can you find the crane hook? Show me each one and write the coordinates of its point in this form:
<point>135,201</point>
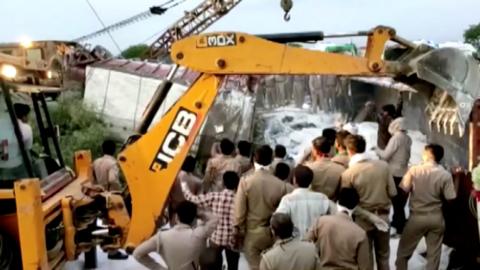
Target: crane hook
<point>286,6</point>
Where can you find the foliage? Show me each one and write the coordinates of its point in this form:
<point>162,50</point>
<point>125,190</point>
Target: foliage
<point>135,51</point>
<point>80,128</point>
<point>472,35</point>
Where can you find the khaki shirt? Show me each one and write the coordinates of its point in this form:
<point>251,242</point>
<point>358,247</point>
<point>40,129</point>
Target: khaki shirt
<point>429,184</point>
<point>106,173</point>
<point>245,163</point>
<point>373,181</point>
<point>290,164</point>
<point>176,194</point>
<point>326,177</point>
<point>258,196</point>
<point>290,254</point>
<point>397,153</point>
<point>216,167</point>
<point>341,159</point>
<point>341,243</point>
<point>180,247</point>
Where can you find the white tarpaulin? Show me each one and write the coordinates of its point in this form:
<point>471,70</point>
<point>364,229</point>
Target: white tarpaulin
<point>121,98</point>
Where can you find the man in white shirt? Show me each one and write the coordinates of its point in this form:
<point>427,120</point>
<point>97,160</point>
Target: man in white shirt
<point>303,205</point>
<point>11,163</point>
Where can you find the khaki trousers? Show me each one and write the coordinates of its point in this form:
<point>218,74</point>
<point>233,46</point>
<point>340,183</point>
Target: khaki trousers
<point>379,241</point>
<point>428,225</point>
<point>256,241</point>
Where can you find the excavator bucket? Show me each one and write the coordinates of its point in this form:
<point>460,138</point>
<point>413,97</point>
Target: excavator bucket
<point>456,77</point>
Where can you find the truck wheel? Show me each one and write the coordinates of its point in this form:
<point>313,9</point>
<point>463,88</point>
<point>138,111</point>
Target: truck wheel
<point>9,255</point>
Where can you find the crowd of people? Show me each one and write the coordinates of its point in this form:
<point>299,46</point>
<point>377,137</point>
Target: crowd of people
<point>329,211</point>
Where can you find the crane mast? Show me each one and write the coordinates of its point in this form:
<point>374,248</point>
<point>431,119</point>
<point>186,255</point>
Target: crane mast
<point>192,23</point>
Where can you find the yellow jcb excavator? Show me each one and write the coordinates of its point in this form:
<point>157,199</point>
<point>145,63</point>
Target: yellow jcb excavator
<point>151,162</point>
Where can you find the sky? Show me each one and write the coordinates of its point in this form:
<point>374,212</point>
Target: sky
<point>433,20</point>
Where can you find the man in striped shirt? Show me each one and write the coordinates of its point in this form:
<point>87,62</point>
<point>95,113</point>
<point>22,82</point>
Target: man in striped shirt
<point>222,204</point>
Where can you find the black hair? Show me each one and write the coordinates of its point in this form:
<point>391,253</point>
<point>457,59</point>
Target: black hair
<point>281,225</point>
<point>322,145</point>
<point>231,180</point>
<point>186,212</point>
<point>264,155</point>
<point>282,171</point>
<point>390,109</point>
<point>436,150</point>
<point>109,147</point>
<point>340,138</point>
<point>227,147</point>
<point>356,143</point>
<point>21,110</point>
<point>244,148</point>
<point>303,176</point>
<point>329,134</point>
<point>280,151</point>
<point>189,164</point>
<point>348,197</point>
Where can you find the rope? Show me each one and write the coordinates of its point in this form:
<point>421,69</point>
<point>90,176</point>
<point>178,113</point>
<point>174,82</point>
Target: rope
<point>104,26</point>
<point>156,10</point>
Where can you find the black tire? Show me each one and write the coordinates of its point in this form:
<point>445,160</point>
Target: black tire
<point>9,253</point>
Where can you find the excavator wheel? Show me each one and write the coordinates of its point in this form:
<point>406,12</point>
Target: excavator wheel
<point>9,253</point>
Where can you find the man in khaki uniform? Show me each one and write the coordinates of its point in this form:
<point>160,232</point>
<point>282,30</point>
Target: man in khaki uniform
<point>107,175</point>
<point>374,183</point>
<point>288,253</point>
<point>257,197</point>
<point>176,194</point>
<point>105,169</point>
<point>299,86</point>
<point>244,149</point>
<point>218,165</point>
<point>341,243</point>
<point>326,173</point>
<point>180,247</point>
<point>280,156</point>
<point>397,154</point>
<point>429,184</point>
<point>341,157</point>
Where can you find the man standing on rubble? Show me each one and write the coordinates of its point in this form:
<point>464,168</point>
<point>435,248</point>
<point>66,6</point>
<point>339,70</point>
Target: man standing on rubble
<point>316,92</point>
<point>374,183</point>
<point>257,197</point>
<point>397,154</point>
<point>429,185</point>
<point>388,114</point>
<point>326,173</point>
<point>217,166</point>
<point>271,91</point>
<point>299,85</point>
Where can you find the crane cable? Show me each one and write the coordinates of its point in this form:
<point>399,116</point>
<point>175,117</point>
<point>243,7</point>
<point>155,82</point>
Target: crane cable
<point>104,26</point>
<point>155,10</point>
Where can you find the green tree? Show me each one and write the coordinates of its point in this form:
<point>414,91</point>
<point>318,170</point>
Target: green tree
<point>135,51</point>
<point>472,35</point>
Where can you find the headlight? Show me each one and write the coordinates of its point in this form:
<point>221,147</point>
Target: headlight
<point>26,43</point>
<point>8,71</point>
